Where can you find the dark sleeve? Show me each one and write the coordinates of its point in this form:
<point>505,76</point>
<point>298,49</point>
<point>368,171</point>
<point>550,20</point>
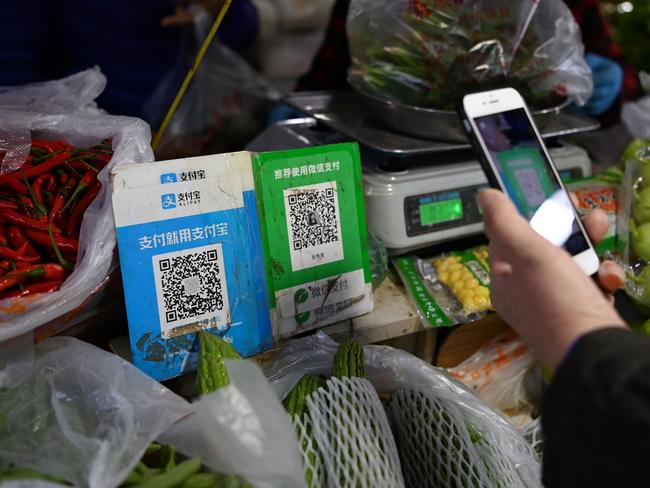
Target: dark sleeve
<point>596,414</point>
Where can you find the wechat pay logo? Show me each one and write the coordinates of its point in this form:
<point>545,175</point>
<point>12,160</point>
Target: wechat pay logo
<point>168,201</point>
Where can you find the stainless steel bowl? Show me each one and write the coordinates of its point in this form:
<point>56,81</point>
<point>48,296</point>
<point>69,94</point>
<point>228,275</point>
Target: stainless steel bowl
<point>429,123</point>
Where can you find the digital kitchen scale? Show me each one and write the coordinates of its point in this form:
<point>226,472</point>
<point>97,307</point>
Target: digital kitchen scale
<point>418,193</point>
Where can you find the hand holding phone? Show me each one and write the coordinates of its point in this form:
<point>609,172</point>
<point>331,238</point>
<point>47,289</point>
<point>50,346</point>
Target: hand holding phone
<point>516,161</point>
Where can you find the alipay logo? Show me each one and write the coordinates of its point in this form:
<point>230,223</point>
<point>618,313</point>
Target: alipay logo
<point>168,201</point>
<point>168,178</point>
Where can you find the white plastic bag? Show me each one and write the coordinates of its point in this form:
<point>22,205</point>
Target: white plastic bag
<point>87,416</point>
<point>242,429</point>
<point>78,123</point>
<point>500,373</point>
<point>636,117</point>
<point>507,458</point>
<point>74,94</point>
<point>83,414</point>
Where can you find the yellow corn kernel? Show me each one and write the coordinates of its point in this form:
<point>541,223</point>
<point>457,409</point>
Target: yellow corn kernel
<point>471,283</point>
<point>482,303</point>
<point>469,305</point>
<point>482,292</point>
<point>454,275</point>
<point>463,295</point>
<point>443,276</point>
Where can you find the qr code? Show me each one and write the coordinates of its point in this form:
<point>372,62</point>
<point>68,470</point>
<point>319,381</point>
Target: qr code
<point>191,290</point>
<point>313,225</point>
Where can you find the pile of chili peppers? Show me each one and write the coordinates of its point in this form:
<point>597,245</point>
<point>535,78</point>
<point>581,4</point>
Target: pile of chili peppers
<point>41,208</point>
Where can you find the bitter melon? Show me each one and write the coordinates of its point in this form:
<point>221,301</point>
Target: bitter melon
<point>211,373</point>
<point>349,360</point>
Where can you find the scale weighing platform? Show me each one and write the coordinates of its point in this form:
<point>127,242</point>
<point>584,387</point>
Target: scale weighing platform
<point>418,192</point>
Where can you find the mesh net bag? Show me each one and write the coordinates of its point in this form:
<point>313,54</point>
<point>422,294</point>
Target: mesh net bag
<point>311,455</point>
<point>351,430</point>
<point>534,435</point>
<point>446,436</point>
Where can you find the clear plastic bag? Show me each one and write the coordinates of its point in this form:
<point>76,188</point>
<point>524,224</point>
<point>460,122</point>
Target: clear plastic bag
<point>83,414</point>
<point>242,429</point>
<point>427,52</point>
<point>506,458</point>
<point>633,229</point>
<point>64,110</point>
<point>87,416</point>
<point>501,373</point>
<point>73,94</point>
<point>225,106</point>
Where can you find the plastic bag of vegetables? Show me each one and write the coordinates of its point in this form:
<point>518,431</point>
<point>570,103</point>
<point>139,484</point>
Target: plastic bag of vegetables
<point>428,52</point>
<point>83,416</point>
<point>52,136</point>
<point>445,435</point>
<point>633,224</point>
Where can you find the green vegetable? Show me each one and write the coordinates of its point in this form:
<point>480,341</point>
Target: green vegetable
<point>296,404</point>
<point>211,372</point>
<point>175,476</point>
<point>637,150</point>
<point>349,360</point>
<point>201,480</point>
<point>641,240</point>
<point>296,401</point>
<point>18,473</point>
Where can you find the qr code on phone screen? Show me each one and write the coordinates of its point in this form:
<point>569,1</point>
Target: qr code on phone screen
<point>313,225</point>
<point>191,290</point>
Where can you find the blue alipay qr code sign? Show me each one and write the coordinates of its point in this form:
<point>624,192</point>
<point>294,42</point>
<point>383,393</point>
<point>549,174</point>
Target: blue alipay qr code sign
<point>185,274</point>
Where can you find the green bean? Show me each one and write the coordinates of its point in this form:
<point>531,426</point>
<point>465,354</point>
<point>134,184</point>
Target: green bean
<point>175,476</point>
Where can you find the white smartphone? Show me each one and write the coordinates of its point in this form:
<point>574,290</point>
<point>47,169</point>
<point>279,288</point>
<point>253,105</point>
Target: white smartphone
<point>517,162</point>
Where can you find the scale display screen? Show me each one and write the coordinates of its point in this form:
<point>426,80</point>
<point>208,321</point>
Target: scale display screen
<point>443,211</point>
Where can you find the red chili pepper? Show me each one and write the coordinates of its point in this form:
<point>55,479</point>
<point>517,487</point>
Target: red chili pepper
<point>87,179</point>
<point>35,288</point>
<point>74,223</point>
<point>82,165</point>
<point>45,271</point>
<point>8,253</point>
<point>26,249</point>
<point>23,221</point>
<point>46,179</point>
<point>15,237</point>
<point>57,252</point>
<point>5,266</point>
<point>32,171</point>
<point>15,185</point>
<point>62,197</point>
<point>50,146</point>
<point>67,245</point>
<point>63,176</point>
<point>8,204</point>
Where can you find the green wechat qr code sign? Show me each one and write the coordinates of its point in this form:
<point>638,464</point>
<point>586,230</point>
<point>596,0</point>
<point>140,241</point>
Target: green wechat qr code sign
<point>312,214</point>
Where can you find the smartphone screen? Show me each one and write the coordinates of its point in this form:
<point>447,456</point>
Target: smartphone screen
<point>529,179</point>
